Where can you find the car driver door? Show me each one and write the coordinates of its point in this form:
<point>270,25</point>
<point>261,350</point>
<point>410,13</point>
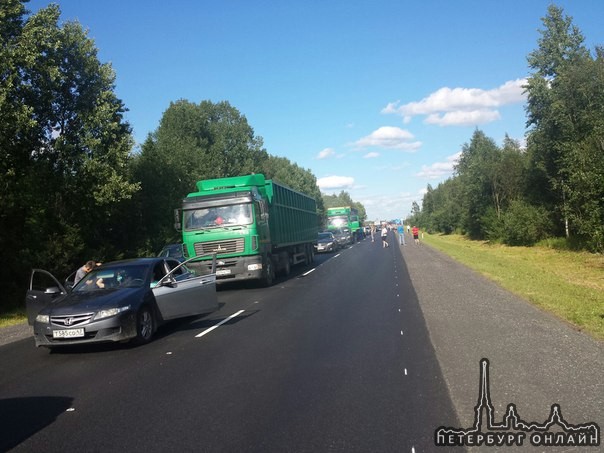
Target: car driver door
<point>44,289</point>
<point>181,294</point>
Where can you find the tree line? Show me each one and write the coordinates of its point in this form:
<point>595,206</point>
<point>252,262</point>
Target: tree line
<point>552,188</point>
<point>72,185</point>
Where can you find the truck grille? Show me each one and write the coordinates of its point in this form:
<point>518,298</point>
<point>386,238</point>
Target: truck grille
<point>71,320</point>
<point>220,247</point>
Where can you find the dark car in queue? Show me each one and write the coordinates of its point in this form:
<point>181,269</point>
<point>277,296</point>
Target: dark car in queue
<point>343,236</point>
<point>118,301</point>
<point>326,242</point>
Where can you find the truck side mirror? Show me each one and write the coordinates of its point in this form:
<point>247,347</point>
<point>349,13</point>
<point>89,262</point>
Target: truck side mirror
<point>177,217</point>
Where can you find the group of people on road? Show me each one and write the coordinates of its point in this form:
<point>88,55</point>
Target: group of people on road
<point>401,234</point>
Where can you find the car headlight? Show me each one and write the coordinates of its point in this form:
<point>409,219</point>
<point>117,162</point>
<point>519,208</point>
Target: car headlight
<point>43,319</point>
<point>106,313</point>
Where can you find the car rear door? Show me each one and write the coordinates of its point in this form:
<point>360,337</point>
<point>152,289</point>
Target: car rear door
<point>182,294</point>
<point>44,288</point>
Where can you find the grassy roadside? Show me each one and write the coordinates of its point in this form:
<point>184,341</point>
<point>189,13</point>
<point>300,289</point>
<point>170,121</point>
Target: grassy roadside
<point>12,317</point>
<point>567,284</point>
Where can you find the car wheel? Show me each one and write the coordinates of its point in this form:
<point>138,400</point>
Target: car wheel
<point>145,325</point>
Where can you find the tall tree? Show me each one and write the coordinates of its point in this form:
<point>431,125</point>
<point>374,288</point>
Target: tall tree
<point>477,169</point>
<point>65,145</point>
<point>559,48</point>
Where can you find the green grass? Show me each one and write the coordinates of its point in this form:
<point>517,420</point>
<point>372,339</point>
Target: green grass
<point>12,317</point>
<point>566,283</point>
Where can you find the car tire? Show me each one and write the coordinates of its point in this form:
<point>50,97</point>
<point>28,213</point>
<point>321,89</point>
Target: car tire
<point>145,325</point>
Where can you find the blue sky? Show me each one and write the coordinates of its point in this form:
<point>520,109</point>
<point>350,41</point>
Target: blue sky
<point>376,97</point>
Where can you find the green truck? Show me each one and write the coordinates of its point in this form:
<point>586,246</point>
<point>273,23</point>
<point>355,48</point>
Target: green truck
<point>345,217</point>
<point>256,226</point>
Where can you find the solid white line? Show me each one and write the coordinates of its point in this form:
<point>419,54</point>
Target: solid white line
<point>306,273</point>
<point>219,324</point>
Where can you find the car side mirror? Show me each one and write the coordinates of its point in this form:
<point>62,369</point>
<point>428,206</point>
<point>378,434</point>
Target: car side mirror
<point>52,291</point>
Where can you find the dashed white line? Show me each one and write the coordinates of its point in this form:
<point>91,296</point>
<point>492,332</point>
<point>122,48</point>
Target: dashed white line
<point>219,324</point>
<point>306,273</point>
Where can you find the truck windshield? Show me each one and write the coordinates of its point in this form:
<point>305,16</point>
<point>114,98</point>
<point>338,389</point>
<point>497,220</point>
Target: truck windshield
<point>218,216</point>
<point>338,221</point>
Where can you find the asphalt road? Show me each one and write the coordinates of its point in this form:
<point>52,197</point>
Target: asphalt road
<point>369,350</point>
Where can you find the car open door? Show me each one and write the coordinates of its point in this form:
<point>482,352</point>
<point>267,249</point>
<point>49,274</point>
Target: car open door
<point>194,295</point>
<point>44,288</point>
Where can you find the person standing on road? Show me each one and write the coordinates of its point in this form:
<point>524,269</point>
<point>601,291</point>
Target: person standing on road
<point>384,237</point>
<point>401,235</point>
<point>415,231</point>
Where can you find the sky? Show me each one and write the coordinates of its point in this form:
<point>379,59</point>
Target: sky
<point>376,98</point>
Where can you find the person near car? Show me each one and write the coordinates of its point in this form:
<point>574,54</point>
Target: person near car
<point>384,237</point>
<point>82,271</point>
<point>415,232</point>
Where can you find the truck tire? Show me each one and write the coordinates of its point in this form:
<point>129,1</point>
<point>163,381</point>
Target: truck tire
<point>268,276</point>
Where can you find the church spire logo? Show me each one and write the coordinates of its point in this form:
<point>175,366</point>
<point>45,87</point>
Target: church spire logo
<point>512,430</point>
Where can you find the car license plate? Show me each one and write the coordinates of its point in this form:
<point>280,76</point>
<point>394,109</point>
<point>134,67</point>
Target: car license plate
<point>70,333</point>
<point>223,272</point>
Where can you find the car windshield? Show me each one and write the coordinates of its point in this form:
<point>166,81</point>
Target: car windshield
<point>111,278</point>
<point>237,214</point>
<point>325,236</point>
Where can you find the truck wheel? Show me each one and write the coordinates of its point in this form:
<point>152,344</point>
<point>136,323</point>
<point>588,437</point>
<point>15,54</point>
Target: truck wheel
<point>287,267</point>
<point>269,273</point>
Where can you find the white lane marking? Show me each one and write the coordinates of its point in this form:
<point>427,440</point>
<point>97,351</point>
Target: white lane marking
<point>306,273</point>
<point>405,371</point>
<point>219,324</point>
<point>401,332</point>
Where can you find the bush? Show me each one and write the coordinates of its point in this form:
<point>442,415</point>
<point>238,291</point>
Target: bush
<point>525,224</point>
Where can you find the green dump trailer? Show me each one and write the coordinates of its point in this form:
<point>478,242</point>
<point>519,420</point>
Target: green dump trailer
<point>257,227</point>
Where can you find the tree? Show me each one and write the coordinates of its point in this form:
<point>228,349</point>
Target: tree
<point>64,146</point>
<point>193,142</point>
<point>559,48</point>
<point>477,169</point>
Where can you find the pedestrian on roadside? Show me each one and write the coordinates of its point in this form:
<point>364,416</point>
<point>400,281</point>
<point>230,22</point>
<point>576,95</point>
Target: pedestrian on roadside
<point>384,237</point>
<point>415,231</point>
<point>408,228</point>
<point>372,233</point>
<point>401,235</point>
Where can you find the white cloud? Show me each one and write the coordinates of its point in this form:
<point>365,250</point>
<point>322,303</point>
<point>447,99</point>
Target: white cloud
<point>461,106</point>
<point>389,137</point>
<point>335,182</point>
<point>463,118</point>
<point>327,152</point>
<point>371,155</point>
<point>439,169</point>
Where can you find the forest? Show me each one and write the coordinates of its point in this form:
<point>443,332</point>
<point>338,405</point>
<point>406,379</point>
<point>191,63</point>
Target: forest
<point>552,188</point>
<point>74,186</point>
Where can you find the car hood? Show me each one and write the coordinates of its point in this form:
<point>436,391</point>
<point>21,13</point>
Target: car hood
<point>94,300</point>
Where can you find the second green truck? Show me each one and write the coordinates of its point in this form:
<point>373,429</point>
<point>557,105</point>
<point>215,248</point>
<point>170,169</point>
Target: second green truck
<point>256,226</point>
